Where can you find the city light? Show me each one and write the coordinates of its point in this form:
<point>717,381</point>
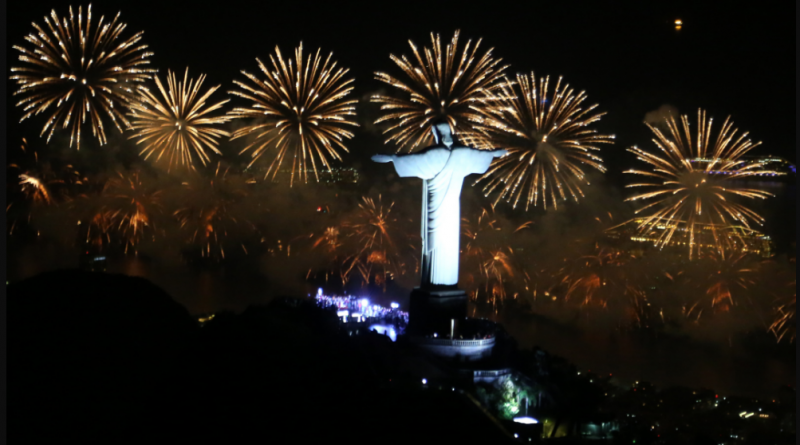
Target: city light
<point>395,305</point>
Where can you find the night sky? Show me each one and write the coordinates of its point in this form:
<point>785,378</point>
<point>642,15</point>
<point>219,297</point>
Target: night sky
<point>630,59</point>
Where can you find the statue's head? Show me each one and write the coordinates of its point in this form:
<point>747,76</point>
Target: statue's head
<point>442,133</point>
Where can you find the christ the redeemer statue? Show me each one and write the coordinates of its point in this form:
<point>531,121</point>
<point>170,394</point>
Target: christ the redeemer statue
<point>443,168</point>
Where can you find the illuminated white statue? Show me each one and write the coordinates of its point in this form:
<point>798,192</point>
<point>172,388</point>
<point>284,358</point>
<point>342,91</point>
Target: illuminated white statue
<point>443,168</point>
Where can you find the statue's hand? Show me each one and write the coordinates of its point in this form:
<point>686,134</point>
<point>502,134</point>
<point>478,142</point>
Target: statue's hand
<point>499,153</point>
<point>382,158</point>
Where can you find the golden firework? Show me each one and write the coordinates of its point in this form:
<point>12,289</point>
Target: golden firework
<point>597,278</point>
<point>132,204</point>
<point>489,264</point>
<point>209,213</point>
<point>83,72</point>
<point>37,180</point>
<point>548,138</point>
<point>299,110</point>
<point>729,273</point>
<point>784,325</point>
<point>443,85</point>
<point>181,126</point>
<point>378,243</point>
<point>692,180</point>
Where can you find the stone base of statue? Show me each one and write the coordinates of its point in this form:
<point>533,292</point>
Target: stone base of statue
<point>438,325</point>
<point>435,311</point>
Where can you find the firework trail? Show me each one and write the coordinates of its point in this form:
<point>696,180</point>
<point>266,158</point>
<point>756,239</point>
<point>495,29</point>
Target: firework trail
<point>181,126</point>
<point>443,85</point>
<point>132,205</point>
<point>784,325</point>
<point>489,264</point>
<point>299,110</point>
<point>36,180</point>
<point>82,72</point>
<point>691,181</point>
<point>549,140</point>
<point>209,215</point>
<point>379,243</point>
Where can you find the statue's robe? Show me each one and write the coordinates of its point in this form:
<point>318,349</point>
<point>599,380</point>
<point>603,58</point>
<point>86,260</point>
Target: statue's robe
<point>443,171</point>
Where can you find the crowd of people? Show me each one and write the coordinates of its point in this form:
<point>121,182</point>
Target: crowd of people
<point>360,309</point>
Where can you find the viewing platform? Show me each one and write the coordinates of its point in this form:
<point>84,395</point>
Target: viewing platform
<point>461,350</point>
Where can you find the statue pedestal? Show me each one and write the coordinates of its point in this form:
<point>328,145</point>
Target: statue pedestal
<point>432,311</point>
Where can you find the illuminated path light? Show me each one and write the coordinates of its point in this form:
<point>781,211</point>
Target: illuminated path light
<point>526,420</point>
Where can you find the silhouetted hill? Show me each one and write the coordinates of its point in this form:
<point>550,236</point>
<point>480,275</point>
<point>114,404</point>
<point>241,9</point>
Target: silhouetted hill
<point>112,359</point>
<point>90,351</point>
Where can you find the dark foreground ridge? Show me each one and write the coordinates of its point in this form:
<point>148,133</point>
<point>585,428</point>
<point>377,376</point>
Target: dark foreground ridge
<point>112,359</point>
<point>99,358</point>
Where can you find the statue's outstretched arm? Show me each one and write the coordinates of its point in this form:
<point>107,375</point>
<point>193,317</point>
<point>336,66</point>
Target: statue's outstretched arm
<point>499,153</point>
<point>383,159</point>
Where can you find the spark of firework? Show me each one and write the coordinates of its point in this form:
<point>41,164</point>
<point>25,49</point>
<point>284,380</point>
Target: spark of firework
<point>329,241</point>
<point>730,272</point>
<point>181,126</point>
<point>443,85</point>
<point>378,243</point>
<point>692,180</point>
<point>489,262</point>
<point>80,71</point>
<point>132,204</point>
<point>37,181</point>
<point>209,213</point>
<point>331,245</point>
<point>38,176</point>
<point>549,140</point>
<point>784,324</point>
<point>299,111</point>
<point>596,277</point>
<point>98,229</point>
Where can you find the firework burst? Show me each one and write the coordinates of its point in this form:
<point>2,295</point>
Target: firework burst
<point>132,205</point>
<point>784,325</point>
<point>82,72</point>
<point>489,264</point>
<point>443,85</point>
<point>597,278</point>
<point>730,275</point>
<point>37,180</point>
<point>299,110</point>
<point>181,126</point>
<point>378,243</point>
<point>210,215</point>
<point>548,139</point>
<point>691,180</point>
